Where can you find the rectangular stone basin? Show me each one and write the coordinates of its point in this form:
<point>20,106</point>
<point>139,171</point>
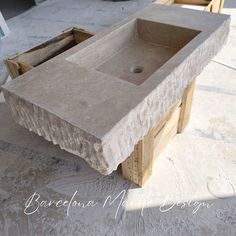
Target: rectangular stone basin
<point>99,98</point>
<point>135,50</point>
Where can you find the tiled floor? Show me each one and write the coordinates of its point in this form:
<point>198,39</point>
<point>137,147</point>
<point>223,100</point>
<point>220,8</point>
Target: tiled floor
<point>198,165</point>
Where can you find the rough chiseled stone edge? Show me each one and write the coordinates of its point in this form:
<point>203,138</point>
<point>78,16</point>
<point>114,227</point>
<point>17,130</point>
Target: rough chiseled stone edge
<point>120,141</point>
<point>58,131</point>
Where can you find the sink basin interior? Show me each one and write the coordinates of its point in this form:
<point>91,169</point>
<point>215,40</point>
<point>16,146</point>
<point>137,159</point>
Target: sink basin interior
<point>135,50</point>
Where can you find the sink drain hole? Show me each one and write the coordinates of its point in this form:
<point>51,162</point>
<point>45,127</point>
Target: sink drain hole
<point>136,69</point>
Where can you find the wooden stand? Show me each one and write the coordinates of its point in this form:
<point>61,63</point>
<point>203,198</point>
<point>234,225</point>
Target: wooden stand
<point>138,166</point>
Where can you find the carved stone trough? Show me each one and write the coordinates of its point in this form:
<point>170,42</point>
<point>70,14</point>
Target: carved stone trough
<point>101,97</point>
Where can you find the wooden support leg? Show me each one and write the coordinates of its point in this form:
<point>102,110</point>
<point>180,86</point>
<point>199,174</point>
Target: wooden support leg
<point>221,6</point>
<point>215,6</point>
<point>186,107</point>
<point>138,166</point>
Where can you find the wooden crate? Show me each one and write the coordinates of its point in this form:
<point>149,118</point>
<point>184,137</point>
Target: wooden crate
<point>21,63</point>
<point>214,6</point>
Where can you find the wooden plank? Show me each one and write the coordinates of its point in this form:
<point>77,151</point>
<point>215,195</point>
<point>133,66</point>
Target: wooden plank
<point>214,6</point>
<point>165,118</point>
<point>145,166</point>
<point>194,2</point>
<point>186,107</point>
<point>221,6</point>
<point>168,131</point>
<point>12,68</point>
<point>210,5</point>
<point>81,35</point>
<point>138,166</point>
<point>24,67</point>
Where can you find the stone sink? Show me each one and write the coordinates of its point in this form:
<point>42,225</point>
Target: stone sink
<point>99,98</point>
<point>134,51</point>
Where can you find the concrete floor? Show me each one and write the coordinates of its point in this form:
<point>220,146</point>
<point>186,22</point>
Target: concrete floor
<point>198,165</point>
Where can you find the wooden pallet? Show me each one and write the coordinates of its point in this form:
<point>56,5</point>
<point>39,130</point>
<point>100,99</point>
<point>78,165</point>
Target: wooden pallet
<point>23,62</point>
<point>214,6</point>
